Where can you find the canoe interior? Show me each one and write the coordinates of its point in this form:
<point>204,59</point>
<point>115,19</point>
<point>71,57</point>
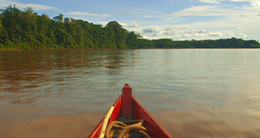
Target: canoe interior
<point>127,106</point>
<point>114,116</point>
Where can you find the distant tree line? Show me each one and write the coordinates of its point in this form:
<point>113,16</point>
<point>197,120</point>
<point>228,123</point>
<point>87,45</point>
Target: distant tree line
<point>220,43</point>
<point>28,30</point>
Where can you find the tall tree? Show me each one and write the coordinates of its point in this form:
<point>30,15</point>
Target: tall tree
<point>58,18</point>
<point>11,23</point>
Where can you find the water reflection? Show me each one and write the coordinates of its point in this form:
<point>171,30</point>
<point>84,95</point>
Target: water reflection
<point>36,67</point>
<point>196,87</point>
<point>50,78</point>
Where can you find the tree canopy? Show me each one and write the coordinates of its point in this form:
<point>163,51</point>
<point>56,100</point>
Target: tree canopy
<point>28,30</point>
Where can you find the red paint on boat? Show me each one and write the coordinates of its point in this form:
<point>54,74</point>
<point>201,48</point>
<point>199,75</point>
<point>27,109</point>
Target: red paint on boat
<point>127,101</point>
<point>117,109</point>
<point>127,105</point>
<point>154,129</point>
<point>95,132</point>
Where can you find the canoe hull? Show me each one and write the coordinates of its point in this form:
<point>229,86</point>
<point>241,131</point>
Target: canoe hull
<point>127,105</point>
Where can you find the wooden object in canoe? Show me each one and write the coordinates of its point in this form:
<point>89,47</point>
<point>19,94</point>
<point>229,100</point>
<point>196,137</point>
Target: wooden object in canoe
<point>127,106</point>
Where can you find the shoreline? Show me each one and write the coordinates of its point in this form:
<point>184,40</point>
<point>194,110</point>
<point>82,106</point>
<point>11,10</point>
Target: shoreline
<point>66,49</point>
<point>54,49</point>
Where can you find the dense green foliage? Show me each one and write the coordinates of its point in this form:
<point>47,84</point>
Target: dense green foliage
<point>220,43</point>
<point>28,30</point>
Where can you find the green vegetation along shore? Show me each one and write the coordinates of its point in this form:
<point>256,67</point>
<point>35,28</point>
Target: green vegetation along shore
<point>29,31</point>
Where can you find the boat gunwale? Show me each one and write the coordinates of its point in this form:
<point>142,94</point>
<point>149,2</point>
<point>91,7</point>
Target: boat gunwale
<point>137,111</point>
<point>96,130</point>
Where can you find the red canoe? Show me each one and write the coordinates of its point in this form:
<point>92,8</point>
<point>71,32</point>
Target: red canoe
<point>127,106</point>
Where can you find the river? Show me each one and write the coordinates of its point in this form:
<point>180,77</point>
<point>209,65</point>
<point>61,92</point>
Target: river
<point>192,93</point>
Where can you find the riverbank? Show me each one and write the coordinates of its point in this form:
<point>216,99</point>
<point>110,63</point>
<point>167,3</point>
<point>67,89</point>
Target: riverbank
<point>55,49</point>
<point>66,49</point>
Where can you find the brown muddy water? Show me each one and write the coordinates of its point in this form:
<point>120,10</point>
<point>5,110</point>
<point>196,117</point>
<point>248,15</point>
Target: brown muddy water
<point>192,93</point>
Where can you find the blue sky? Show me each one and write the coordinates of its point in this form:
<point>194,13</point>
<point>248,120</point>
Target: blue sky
<point>153,19</point>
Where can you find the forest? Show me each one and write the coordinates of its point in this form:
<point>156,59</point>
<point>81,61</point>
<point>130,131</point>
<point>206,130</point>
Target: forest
<point>29,31</point>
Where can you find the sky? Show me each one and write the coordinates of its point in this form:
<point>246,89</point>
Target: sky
<point>154,19</point>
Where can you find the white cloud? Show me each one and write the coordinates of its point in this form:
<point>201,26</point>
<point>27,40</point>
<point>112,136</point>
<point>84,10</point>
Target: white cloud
<point>210,1</point>
<point>103,23</point>
<point>200,34</point>
<point>205,10</point>
<point>202,31</point>
<point>6,3</point>
<point>244,0</point>
<point>232,26</point>
<point>176,27</point>
<point>219,10</point>
<point>216,29</point>
<point>133,24</point>
<point>232,21</point>
<point>229,21</point>
<point>215,34</point>
<point>176,32</point>
<point>100,14</point>
<point>242,35</point>
<point>255,4</point>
